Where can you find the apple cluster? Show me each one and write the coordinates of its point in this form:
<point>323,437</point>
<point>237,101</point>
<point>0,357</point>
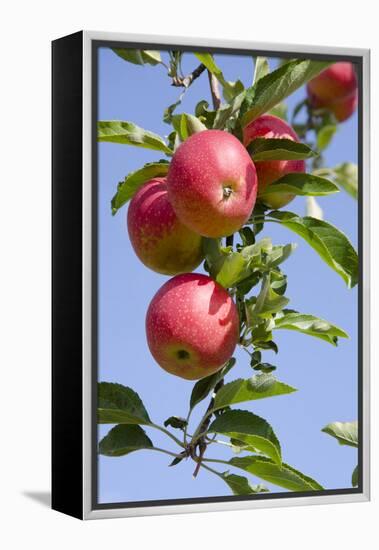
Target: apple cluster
<point>211,188</point>
<point>335,89</point>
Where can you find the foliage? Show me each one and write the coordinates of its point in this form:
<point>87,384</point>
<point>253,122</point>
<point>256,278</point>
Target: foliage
<point>250,268</point>
<point>346,433</point>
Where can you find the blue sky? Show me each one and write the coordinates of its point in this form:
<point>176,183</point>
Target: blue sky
<point>326,377</point>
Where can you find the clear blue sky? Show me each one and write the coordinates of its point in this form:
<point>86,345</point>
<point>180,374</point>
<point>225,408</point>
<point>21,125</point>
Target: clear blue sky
<point>325,376</point>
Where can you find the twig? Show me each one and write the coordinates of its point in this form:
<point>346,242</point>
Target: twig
<point>201,443</point>
<point>187,80</point>
<point>215,91</point>
<point>168,433</point>
<point>166,452</point>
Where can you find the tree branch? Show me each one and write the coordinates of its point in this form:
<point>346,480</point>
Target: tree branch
<point>202,443</point>
<point>187,80</point>
<point>215,91</point>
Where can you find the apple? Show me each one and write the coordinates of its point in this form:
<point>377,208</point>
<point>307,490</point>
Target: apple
<point>270,126</point>
<point>335,88</point>
<point>344,108</point>
<point>192,326</point>
<point>212,183</point>
<point>158,237</point>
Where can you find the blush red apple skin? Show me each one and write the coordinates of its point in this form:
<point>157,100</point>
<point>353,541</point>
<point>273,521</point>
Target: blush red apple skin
<point>158,238</point>
<point>192,326</point>
<point>344,108</point>
<point>269,126</point>
<point>335,88</point>
<point>212,183</point>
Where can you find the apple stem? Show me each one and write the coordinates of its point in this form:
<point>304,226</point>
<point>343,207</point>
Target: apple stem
<point>215,91</point>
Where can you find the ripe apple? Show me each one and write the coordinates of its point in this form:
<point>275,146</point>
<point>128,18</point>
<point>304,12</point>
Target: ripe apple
<point>344,108</point>
<point>269,126</point>
<point>335,88</point>
<point>212,183</point>
<point>159,239</point>
<point>192,326</point>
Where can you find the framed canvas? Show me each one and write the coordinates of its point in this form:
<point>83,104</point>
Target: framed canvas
<point>210,275</point>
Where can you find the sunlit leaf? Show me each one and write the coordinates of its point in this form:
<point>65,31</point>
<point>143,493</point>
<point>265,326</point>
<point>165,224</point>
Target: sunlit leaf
<point>346,433</point>
<point>133,181</point>
<point>250,429</point>
<point>127,133</point>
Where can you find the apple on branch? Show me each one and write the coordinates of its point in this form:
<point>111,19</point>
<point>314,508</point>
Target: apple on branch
<point>192,326</point>
<point>335,89</point>
<point>268,171</point>
<point>212,183</point>
<point>158,237</point>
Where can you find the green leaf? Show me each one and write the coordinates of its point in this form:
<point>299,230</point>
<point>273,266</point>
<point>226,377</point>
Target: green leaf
<point>325,136</point>
<point>261,68</point>
<point>328,241</point>
<point>133,181</point>
<point>240,485</point>
<point>264,367</point>
<point>225,266</point>
<point>139,57</point>
<point>247,236</point>
<point>176,422</point>
<point>231,89</point>
<point>278,255</point>
<point>229,268</point>
<point>311,325</point>
<point>186,125</point>
<point>346,433</point>
<point>205,114</point>
<point>279,149</point>
<point>124,439</point>
<point>268,301</point>
<point>178,459</point>
<point>169,111</point>
<point>355,477</point>
<point>250,429</point>
<point>203,387</point>
<point>119,404</point>
<point>225,112</point>
<point>276,86</point>
<point>127,133</point>
<point>283,476</point>
<point>208,60</point>
<point>346,176</point>
<point>259,386</point>
<point>301,184</point>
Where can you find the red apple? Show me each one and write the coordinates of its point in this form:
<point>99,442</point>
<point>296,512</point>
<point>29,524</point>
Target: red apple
<point>336,82</point>
<point>269,126</point>
<point>212,183</point>
<point>192,326</point>
<point>335,88</point>
<point>344,108</point>
<point>159,239</point>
